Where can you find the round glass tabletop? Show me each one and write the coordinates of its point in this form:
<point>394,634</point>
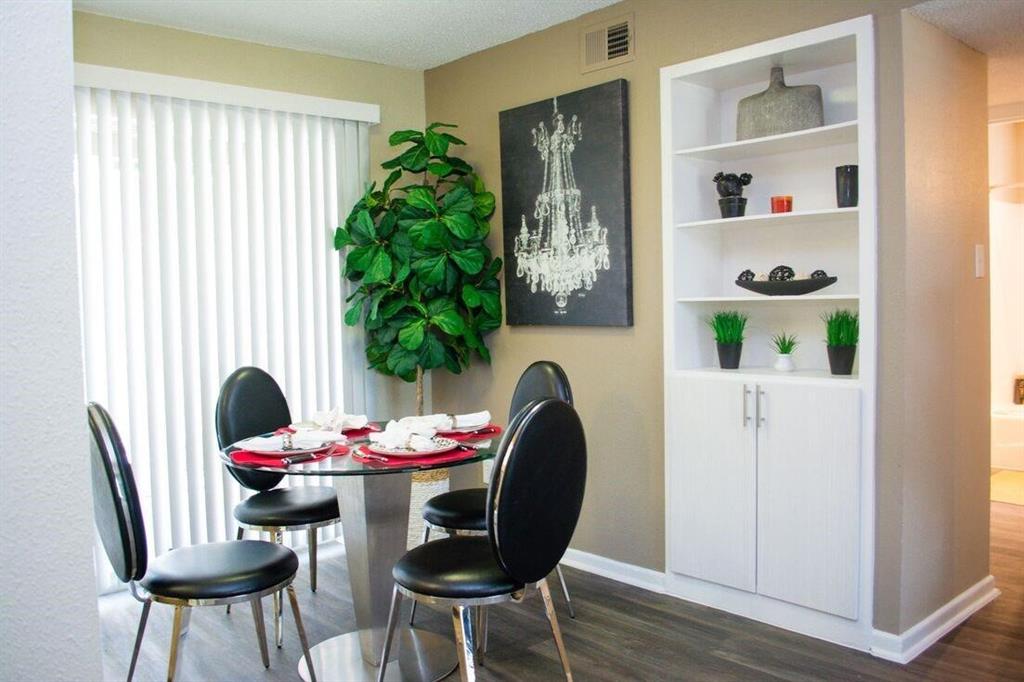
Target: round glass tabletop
<point>346,465</point>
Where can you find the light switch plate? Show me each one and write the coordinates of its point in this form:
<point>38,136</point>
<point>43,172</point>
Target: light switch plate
<point>979,260</point>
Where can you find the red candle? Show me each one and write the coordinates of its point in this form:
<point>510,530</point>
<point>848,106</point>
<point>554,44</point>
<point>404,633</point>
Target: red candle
<point>782,204</point>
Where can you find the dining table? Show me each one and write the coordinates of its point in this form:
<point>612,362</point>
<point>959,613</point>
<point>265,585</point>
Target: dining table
<point>374,503</point>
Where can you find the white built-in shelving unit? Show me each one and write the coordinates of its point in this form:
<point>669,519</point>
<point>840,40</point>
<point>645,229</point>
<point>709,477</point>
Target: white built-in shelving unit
<point>770,475</point>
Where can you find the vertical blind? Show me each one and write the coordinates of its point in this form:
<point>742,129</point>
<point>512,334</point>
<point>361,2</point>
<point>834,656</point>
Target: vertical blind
<point>205,244</point>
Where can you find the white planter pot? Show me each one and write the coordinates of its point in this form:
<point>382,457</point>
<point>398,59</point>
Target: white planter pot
<point>784,363</point>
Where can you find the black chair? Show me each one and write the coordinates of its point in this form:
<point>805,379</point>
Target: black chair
<point>533,504</point>
<point>202,575</point>
<point>250,404</point>
<point>461,512</point>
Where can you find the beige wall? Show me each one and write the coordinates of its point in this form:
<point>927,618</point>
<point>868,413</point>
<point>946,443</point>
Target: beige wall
<point>945,439</point>
<point>616,373</point>
<point>145,47</point>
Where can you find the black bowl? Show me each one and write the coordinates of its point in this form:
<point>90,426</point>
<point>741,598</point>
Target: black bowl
<point>793,287</point>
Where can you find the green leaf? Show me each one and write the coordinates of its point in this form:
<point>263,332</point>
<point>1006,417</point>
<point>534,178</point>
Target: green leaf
<point>449,321</point>
<point>401,361</point>
<point>422,199</point>
<point>375,300</point>
<point>402,272</point>
<point>363,229</point>
<point>461,225</point>
<point>411,336</point>
<point>451,138</point>
<point>353,313</point>
<point>342,238</point>
<point>431,269</point>
<point>484,353</point>
<point>458,200</point>
<point>415,158</point>
<point>471,261</point>
<point>440,168</point>
<point>436,143</point>
<point>451,278</point>
<point>488,324</point>
<point>401,246</point>
<point>392,163</point>
<point>470,296</point>
<point>438,124</point>
<point>387,224</point>
<point>392,179</point>
<point>439,305</point>
<point>452,361</point>
<point>360,258</point>
<point>400,136</point>
<point>392,307</point>
<point>429,235</point>
<point>380,267</point>
<point>483,204</point>
<point>458,164</point>
<point>431,352</point>
<point>491,302</point>
<point>493,269</point>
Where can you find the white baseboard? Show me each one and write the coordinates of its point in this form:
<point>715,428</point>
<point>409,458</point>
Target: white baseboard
<point>637,576</point>
<point>906,647</point>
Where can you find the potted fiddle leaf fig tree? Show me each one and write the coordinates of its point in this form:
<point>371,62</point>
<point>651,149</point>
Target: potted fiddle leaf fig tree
<point>427,286</point>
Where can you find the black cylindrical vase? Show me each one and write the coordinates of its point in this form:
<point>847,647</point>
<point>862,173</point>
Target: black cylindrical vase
<point>846,186</point>
<point>729,355</point>
<point>732,207</point>
<point>840,359</point>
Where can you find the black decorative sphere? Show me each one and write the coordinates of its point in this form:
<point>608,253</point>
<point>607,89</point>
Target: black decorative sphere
<point>746,276</point>
<point>730,184</point>
<point>782,273</point>
<point>819,274</point>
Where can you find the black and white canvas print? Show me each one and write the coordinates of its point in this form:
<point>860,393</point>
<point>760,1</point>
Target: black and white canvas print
<point>566,209</point>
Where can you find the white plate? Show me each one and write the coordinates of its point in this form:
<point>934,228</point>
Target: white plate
<point>272,445</point>
<point>443,445</point>
<point>466,429</point>
<point>289,453</point>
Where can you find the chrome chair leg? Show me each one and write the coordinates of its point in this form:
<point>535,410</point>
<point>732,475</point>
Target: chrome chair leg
<point>549,608</point>
<point>464,636</point>
<point>179,614</point>
<point>565,591</point>
<point>412,611</point>
<point>238,536</point>
<point>481,634</point>
<point>311,542</point>
<point>277,536</point>
<point>261,629</point>
<point>396,606</point>
<point>138,638</point>
<point>302,632</point>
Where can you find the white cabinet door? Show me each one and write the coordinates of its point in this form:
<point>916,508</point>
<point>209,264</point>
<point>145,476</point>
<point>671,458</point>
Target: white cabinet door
<point>808,496</point>
<point>712,478</point>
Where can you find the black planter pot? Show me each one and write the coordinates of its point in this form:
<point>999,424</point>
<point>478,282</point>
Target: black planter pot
<point>729,355</point>
<point>732,207</point>
<point>846,186</point>
<point>840,359</point>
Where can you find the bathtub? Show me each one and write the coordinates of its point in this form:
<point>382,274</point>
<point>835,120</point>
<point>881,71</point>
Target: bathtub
<point>1008,437</point>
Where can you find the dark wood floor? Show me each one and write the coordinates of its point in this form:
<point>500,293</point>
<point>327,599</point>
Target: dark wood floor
<point>622,633</point>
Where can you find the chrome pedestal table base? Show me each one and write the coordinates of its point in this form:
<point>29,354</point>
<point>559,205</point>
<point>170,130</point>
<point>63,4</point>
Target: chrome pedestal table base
<point>375,520</point>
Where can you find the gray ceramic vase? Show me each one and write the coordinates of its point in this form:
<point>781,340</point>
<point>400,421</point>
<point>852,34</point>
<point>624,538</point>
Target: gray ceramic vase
<point>779,109</point>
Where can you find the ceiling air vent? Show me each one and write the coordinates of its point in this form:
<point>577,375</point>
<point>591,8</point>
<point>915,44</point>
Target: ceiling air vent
<point>607,44</point>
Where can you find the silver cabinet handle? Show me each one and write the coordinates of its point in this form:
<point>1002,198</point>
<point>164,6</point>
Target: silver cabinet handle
<point>762,409</point>
<point>746,417</point>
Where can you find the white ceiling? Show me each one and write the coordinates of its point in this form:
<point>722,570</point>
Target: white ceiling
<point>415,34</point>
<point>995,27</point>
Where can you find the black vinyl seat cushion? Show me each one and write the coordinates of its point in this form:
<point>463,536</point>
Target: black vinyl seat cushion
<point>220,569</point>
<point>282,507</point>
<point>458,568</point>
<point>458,509</point>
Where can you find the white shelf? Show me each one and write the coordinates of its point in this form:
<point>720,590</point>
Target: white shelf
<point>816,217</point>
<point>811,138</point>
<point>754,374</point>
<point>777,299</point>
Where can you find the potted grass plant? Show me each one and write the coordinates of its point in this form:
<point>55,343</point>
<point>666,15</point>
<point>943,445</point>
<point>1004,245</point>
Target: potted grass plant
<point>728,327</point>
<point>784,345</point>
<point>842,328</point>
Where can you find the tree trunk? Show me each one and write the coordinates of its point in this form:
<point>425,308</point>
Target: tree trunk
<point>419,391</point>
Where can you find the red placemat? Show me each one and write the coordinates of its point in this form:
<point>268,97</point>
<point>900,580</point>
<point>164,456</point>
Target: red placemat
<point>459,453</point>
<point>248,458</point>
<point>482,433</point>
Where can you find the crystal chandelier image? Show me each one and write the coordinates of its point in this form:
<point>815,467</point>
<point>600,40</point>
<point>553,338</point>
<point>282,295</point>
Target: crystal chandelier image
<point>561,255</point>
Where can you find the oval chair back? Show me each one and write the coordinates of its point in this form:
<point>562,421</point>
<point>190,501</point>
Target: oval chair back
<point>250,403</point>
<point>542,379</point>
<point>534,500</point>
<point>115,499</point>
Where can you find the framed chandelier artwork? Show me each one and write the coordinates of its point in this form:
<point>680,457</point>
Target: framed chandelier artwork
<point>566,209</point>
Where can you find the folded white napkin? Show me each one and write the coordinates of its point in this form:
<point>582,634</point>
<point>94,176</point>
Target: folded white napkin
<point>275,443</point>
<point>319,435</point>
<point>445,422</point>
<point>397,435</point>
<point>335,420</point>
